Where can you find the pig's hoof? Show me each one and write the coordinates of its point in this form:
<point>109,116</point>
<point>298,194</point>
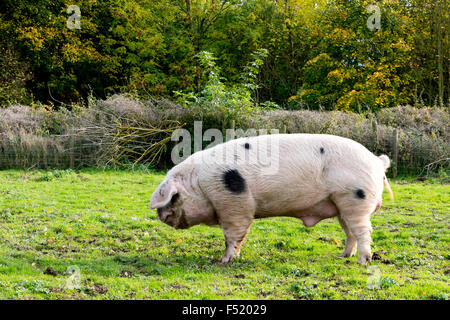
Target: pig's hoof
<point>225,260</point>
<point>365,259</point>
<point>347,254</point>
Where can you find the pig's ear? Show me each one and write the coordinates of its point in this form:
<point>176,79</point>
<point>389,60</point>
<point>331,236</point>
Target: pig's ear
<point>163,195</point>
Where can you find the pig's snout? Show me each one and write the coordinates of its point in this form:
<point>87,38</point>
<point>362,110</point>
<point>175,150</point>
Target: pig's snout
<point>172,218</point>
<point>164,215</point>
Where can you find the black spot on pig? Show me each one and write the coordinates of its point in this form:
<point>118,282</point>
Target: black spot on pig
<point>360,193</point>
<point>233,181</point>
<point>322,150</point>
<point>247,145</point>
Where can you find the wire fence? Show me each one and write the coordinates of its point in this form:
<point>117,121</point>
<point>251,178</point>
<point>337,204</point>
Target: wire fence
<point>28,151</point>
<point>410,153</point>
<point>125,131</point>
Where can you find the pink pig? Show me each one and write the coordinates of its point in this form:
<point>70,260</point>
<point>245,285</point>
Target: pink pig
<point>308,176</point>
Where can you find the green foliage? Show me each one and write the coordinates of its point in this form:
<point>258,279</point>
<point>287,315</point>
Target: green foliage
<point>322,55</point>
<point>54,174</point>
<point>13,76</point>
<point>120,46</point>
<point>387,282</point>
<point>33,286</point>
<point>303,291</point>
<point>355,68</point>
<point>228,102</point>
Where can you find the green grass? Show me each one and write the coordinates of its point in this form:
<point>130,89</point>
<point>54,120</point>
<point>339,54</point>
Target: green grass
<point>100,222</point>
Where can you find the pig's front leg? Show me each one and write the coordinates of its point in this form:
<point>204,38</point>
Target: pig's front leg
<point>235,208</point>
<point>235,234</point>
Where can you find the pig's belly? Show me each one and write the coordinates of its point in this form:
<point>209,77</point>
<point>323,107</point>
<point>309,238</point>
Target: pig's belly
<point>310,216</point>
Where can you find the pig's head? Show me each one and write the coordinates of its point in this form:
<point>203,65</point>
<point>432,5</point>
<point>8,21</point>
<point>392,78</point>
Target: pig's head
<point>181,208</point>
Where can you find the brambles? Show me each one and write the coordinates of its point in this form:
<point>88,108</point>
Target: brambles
<point>125,131</point>
<point>137,141</point>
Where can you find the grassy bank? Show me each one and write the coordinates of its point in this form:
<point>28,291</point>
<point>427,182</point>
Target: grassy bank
<point>54,222</point>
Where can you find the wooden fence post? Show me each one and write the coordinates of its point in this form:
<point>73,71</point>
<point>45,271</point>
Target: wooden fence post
<point>71,149</point>
<point>231,134</point>
<point>233,128</point>
<point>395,152</point>
<point>375,130</point>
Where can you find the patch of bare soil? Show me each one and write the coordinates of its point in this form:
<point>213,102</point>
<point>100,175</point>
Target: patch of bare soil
<point>379,256</point>
<point>179,286</point>
<point>126,274</point>
<point>50,271</point>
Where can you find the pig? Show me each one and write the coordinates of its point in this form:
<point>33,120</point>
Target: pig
<point>308,176</point>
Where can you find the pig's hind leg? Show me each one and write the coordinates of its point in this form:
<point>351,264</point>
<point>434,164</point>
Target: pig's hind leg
<point>350,241</point>
<point>355,209</point>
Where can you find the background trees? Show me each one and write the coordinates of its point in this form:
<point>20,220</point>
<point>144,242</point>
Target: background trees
<point>321,53</point>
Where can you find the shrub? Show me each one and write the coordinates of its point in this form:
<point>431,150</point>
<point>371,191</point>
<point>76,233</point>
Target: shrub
<point>131,132</point>
<point>421,120</point>
<point>123,130</point>
<point>20,118</point>
<point>223,103</point>
<point>13,77</point>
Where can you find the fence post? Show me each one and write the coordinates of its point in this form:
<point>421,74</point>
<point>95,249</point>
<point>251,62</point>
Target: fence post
<point>71,149</point>
<point>283,128</point>
<point>395,152</point>
<point>375,129</point>
<point>231,134</point>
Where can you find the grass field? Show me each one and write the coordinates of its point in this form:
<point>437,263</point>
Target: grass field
<point>55,225</point>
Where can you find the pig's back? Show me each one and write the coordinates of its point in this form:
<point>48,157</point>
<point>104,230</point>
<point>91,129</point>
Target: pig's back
<point>293,171</point>
<point>310,168</point>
